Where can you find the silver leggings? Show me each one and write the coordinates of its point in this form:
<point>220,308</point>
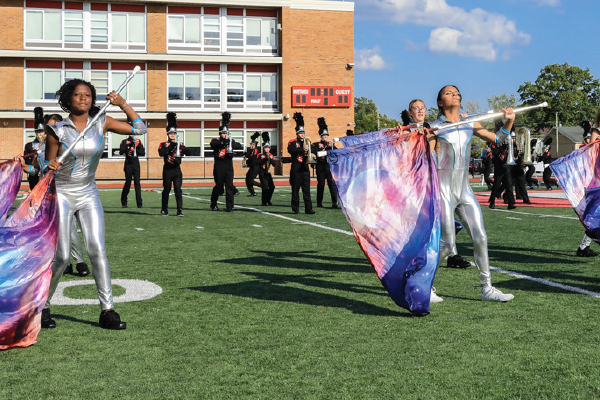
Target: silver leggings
<point>91,219</point>
<point>458,196</point>
<point>76,248</point>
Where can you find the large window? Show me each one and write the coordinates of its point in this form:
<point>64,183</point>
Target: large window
<point>85,26</point>
<point>43,79</point>
<point>221,30</point>
<point>112,145</point>
<point>205,87</point>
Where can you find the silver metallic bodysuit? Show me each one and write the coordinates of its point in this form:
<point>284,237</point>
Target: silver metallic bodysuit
<point>452,157</point>
<point>77,192</point>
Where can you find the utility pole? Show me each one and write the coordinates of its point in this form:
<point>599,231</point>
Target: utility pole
<point>378,128</point>
<point>557,134</point>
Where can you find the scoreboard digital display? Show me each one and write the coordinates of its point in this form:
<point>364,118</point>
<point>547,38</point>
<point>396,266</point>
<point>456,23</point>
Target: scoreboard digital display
<point>321,96</point>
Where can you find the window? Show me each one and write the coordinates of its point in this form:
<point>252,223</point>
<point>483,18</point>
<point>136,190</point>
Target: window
<point>212,33</point>
<point>42,82</point>
<point>42,85</point>
<point>235,34</point>
<point>261,35</point>
<point>185,86</point>
<point>212,88</point>
<point>235,88</point>
<point>261,88</point>
<point>192,138</point>
<point>43,25</point>
<point>106,27</point>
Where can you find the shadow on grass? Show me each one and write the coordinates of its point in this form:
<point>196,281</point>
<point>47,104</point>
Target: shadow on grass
<point>306,260</point>
<point>273,287</point>
<point>59,317</point>
<point>568,278</point>
<point>524,255</point>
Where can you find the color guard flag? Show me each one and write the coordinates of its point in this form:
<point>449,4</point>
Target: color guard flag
<point>578,174</point>
<point>28,240</point>
<point>389,192</point>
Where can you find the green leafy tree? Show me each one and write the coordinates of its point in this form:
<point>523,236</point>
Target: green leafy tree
<point>365,116</point>
<point>569,90</point>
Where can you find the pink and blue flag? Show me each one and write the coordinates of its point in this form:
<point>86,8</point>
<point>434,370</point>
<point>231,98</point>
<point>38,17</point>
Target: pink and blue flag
<point>578,174</point>
<point>28,241</point>
<point>389,193</point>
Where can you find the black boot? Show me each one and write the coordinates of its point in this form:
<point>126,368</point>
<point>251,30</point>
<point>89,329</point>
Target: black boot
<point>110,319</point>
<point>68,270</point>
<point>83,269</point>
<point>47,321</point>
<point>456,261</point>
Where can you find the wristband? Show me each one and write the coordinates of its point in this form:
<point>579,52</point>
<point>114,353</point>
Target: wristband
<point>505,131</point>
<point>30,168</point>
<point>136,120</point>
<point>123,109</point>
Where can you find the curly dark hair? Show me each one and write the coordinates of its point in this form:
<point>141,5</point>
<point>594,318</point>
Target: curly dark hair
<point>65,93</point>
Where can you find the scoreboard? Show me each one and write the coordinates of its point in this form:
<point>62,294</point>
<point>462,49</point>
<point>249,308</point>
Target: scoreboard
<point>321,96</point>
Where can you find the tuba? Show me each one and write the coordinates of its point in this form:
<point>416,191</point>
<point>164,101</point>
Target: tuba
<point>245,162</point>
<point>524,140</point>
<point>510,160</point>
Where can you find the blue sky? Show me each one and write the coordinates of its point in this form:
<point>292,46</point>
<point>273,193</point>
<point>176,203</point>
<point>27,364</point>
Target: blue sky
<point>407,49</point>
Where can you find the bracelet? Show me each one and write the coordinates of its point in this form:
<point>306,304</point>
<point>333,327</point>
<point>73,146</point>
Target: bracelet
<point>30,168</point>
<point>505,131</point>
<point>123,109</point>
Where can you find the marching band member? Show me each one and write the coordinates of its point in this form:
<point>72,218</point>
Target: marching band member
<point>223,147</point>
<point>34,147</point>
<point>323,172</point>
<point>452,153</point>
<point>76,186</point>
<point>299,173</point>
<point>265,161</point>
<point>502,175</point>
<point>253,167</point>
<point>171,151</point>
<point>132,148</point>
<point>546,158</point>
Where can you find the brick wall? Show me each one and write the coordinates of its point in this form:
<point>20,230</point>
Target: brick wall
<point>11,15</point>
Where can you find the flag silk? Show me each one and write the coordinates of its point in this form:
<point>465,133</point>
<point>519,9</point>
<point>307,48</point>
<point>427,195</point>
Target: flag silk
<point>368,137</point>
<point>389,192</point>
<point>28,240</point>
<point>578,174</point>
<point>10,180</point>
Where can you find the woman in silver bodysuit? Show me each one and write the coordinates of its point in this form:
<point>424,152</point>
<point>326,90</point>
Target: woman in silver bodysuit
<point>76,186</point>
<point>452,154</point>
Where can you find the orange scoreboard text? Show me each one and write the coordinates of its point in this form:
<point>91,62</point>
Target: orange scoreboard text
<point>321,96</point>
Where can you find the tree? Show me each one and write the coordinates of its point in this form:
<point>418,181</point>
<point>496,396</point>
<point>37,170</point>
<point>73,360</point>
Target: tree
<point>569,90</point>
<point>365,116</point>
<point>497,103</point>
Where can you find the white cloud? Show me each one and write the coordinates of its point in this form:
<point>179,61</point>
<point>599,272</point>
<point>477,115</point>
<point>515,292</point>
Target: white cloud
<point>369,59</point>
<point>476,33</point>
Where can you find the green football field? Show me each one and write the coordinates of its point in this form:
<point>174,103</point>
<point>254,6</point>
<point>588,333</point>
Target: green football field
<point>264,304</point>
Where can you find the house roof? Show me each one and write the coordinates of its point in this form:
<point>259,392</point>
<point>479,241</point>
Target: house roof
<point>573,133</point>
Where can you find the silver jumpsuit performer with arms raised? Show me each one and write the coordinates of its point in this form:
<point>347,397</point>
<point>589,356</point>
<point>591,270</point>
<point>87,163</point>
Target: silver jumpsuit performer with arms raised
<point>451,155</point>
<point>77,192</point>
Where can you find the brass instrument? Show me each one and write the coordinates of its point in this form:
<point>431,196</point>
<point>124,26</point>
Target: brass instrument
<point>245,162</point>
<point>511,151</point>
<point>308,156</point>
<point>268,169</point>
<point>524,140</point>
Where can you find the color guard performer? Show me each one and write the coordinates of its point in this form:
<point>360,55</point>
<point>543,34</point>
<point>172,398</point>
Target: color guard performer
<point>299,173</point>
<point>584,249</point>
<point>76,186</point>
<point>323,172</point>
<point>452,153</point>
<point>172,151</point>
<point>223,147</point>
